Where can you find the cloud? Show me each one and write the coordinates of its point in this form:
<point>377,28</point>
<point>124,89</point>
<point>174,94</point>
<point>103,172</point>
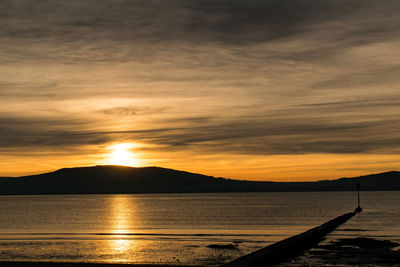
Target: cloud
<point>258,136</point>
<point>245,77</point>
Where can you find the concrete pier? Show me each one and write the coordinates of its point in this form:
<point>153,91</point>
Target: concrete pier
<point>286,248</point>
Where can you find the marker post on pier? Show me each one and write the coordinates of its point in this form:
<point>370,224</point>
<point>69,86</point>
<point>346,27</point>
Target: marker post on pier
<point>358,209</point>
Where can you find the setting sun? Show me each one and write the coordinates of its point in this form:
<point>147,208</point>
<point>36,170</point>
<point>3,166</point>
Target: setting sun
<point>122,155</point>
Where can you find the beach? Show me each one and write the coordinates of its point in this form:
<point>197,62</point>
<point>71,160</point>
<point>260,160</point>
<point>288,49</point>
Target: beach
<point>360,251</point>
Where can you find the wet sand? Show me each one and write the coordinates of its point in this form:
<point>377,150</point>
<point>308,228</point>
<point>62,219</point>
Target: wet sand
<point>76,264</point>
<point>360,251</point>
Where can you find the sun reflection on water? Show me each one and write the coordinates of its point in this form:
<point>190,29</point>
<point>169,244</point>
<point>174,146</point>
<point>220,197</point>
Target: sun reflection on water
<point>121,245</point>
<point>122,222</point>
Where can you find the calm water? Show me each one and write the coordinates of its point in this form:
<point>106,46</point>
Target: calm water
<point>176,228</point>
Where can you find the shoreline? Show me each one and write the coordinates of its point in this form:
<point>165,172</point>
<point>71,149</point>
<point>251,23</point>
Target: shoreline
<point>343,252</point>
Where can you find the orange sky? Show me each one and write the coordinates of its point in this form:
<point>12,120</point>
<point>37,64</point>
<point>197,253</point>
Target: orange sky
<point>260,90</point>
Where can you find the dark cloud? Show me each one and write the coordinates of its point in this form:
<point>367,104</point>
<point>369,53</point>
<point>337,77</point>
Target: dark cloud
<point>225,20</point>
<point>260,136</point>
<point>288,137</point>
<point>126,30</point>
<point>18,89</point>
<point>26,132</point>
<point>362,77</point>
<point>133,111</point>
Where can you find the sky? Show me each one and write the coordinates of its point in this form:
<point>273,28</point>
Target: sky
<point>282,90</point>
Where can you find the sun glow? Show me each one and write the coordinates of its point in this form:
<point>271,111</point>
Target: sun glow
<point>121,155</point>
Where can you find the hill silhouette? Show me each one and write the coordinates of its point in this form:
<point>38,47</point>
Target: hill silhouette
<point>120,179</point>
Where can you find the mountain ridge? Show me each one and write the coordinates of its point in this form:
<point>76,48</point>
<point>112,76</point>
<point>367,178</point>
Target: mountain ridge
<point>109,179</point>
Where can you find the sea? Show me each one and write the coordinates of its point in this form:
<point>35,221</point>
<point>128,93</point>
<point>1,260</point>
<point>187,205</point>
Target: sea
<point>180,229</point>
